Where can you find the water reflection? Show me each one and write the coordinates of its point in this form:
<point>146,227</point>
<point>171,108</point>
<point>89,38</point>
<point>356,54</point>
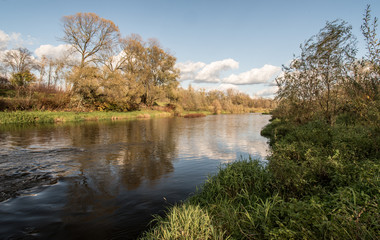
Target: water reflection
<point>114,175</point>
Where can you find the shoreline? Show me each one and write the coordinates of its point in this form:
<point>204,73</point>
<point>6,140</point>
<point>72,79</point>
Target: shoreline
<point>32,117</point>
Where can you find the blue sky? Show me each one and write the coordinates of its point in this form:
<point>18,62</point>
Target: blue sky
<point>218,44</point>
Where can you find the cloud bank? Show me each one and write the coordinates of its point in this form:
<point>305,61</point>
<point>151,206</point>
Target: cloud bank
<point>14,40</point>
<point>4,39</point>
<point>189,69</point>
<point>52,52</point>
<point>200,72</point>
<point>211,72</point>
<point>267,92</point>
<point>253,76</point>
<point>205,73</point>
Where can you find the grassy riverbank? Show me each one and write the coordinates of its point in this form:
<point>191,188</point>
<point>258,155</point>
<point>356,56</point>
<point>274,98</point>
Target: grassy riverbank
<point>21,117</point>
<point>321,182</point>
<point>55,117</point>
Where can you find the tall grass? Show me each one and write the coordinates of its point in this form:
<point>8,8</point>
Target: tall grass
<point>185,222</point>
<point>322,182</point>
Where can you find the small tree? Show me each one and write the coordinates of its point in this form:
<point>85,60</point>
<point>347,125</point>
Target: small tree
<point>22,79</point>
<point>313,82</point>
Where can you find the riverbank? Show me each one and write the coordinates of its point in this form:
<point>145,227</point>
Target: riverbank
<point>22,117</point>
<point>321,182</point>
<point>57,117</point>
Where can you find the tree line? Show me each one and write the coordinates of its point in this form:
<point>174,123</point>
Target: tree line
<point>101,70</point>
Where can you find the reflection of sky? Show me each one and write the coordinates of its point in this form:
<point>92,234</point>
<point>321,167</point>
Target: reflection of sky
<point>224,138</point>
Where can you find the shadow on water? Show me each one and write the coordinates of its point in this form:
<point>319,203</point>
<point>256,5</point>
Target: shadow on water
<point>104,180</point>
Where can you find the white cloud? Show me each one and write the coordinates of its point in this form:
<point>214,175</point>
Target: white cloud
<point>4,40</point>
<point>189,69</point>
<point>226,86</point>
<point>267,92</point>
<point>253,76</point>
<point>52,52</point>
<point>200,72</point>
<point>14,40</point>
<point>205,73</point>
<point>211,72</point>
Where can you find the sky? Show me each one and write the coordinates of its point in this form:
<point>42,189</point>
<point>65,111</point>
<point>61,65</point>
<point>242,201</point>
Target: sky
<point>219,44</point>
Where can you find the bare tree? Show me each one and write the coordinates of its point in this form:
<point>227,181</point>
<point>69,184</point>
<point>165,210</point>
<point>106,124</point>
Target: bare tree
<point>20,63</point>
<point>19,60</point>
<point>88,34</point>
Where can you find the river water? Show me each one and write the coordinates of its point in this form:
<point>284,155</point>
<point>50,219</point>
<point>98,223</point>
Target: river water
<point>104,180</point>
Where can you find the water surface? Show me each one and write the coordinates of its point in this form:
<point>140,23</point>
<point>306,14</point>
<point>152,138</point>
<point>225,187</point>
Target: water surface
<point>104,180</point>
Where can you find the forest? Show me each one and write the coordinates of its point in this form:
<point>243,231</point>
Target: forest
<point>102,71</point>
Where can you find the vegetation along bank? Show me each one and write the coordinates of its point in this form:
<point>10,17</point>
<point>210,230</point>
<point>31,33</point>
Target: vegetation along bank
<point>322,179</point>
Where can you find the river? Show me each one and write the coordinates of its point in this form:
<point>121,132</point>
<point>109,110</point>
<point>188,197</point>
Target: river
<point>104,180</point>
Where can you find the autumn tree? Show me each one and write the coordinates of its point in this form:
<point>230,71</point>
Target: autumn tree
<point>150,66</point>
<point>89,35</point>
<point>313,83</point>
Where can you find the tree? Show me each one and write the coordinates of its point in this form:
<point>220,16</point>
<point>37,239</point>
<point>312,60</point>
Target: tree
<point>22,78</point>
<point>363,90</point>
<point>52,70</point>
<point>150,66</point>
<point>19,60</point>
<point>88,34</point>
<point>20,63</point>
<point>313,83</point>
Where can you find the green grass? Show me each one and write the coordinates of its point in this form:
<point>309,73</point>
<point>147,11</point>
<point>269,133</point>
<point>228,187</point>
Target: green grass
<point>185,222</point>
<point>55,117</point>
<point>321,182</point>
<point>184,113</point>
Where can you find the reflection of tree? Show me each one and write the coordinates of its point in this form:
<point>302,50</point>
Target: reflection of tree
<point>116,155</point>
<point>150,153</point>
<point>131,151</point>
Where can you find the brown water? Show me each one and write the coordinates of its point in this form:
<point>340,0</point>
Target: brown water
<point>104,180</point>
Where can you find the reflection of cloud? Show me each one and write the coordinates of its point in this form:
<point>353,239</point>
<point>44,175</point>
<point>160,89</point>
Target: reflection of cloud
<point>253,76</point>
<point>224,138</point>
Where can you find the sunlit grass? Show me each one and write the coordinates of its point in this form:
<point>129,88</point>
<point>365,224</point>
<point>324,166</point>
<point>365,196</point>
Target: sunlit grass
<point>52,117</point>
<point>321,182</point>
<point>185,222</point>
